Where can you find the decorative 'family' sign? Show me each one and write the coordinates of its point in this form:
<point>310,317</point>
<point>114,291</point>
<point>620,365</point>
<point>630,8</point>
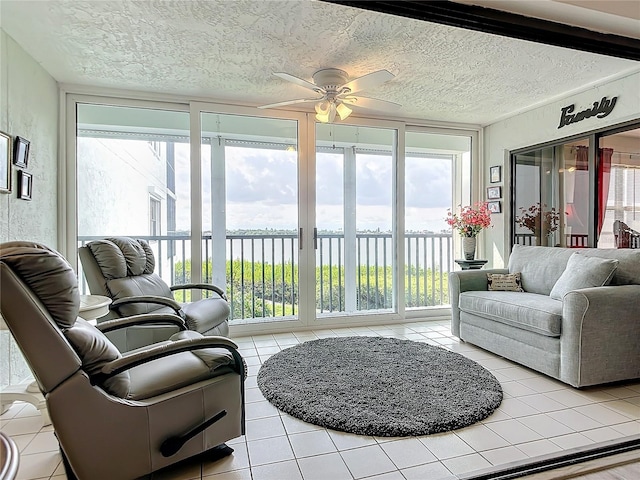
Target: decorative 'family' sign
<point>599,110</point>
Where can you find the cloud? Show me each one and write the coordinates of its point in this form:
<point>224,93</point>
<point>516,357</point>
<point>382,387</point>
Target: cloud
<point>269,177</point>
<point>428,182</point>
<point>262,190</point>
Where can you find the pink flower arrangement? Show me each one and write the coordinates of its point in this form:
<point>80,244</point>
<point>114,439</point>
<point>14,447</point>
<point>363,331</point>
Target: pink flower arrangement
<point>536,216</point>
<point>471,220</point>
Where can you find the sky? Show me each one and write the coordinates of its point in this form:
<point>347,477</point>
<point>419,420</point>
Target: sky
<point>262,191</point>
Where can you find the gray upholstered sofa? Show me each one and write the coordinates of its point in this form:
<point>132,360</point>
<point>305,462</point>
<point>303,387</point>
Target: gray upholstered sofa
<point>586,336</point>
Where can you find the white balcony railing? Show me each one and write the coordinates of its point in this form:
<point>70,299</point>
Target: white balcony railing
<point>262,270</point>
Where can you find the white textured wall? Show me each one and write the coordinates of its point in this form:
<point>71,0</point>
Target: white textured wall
<point>28,108</point>
<point>540,125</point>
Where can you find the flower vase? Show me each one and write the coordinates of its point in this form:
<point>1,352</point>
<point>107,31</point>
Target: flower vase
<point>469,247</point>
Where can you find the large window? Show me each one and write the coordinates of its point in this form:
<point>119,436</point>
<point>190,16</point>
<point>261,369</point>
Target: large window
<point>133,174</point>
<point>297,222</point>
<point>436,165</point>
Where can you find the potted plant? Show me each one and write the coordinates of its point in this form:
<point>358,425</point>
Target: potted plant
<point>469,222</point>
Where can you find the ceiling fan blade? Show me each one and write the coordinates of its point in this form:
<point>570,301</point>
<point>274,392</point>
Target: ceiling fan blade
<point>369,80</point>
<point>291,102</point>
<point>372,103</point>
<point>299,81</point>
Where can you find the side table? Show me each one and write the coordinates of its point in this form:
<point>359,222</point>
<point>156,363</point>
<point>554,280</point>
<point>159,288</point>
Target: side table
<point>471,264</point>
<point>93,307</point>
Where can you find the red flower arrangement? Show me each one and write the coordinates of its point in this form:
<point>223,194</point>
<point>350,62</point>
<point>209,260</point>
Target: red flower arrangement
<point>471,220</point>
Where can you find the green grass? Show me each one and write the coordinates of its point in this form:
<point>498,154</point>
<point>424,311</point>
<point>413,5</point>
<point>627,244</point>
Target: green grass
<point>248,284</point>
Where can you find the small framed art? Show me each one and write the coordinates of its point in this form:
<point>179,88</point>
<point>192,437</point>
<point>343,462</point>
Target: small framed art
<point>494,193</point>
<point>5,163</point>
<point>25,185</point>
<point>21,152</point>
<point>495,206</point>
<point>495,174</point>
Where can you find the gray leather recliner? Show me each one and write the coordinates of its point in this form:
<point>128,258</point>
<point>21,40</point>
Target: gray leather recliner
<point>122,268</point>
<point>117,416</point>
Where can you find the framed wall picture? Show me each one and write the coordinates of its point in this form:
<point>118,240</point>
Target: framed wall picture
<point>493,193</point>
<point>25,185</point>
<point>495,206</point>
<point>5,163</point>
<point>495,174</point>
<point>21,152</point>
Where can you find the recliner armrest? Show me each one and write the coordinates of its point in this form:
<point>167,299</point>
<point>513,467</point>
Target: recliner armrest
<point>129,361</point>
<point>142,319</point>
<point>167,302</point>
<point>199,286</point>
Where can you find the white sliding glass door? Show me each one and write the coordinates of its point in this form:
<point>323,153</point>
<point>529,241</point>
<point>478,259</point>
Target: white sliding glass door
<point>356,236</point>
<point>298,221</point>
<point>250,214</point>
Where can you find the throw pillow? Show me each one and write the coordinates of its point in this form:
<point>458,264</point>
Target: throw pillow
<point>584,272</point>
<point>509,282</point>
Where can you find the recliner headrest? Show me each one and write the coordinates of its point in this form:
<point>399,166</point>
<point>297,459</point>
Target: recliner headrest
<point>120,257</point>
<point>48,275</point>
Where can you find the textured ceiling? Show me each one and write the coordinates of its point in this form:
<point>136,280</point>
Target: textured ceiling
<point>226,50</point>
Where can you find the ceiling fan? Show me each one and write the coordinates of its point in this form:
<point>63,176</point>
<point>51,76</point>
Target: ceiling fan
<point>336,92</point>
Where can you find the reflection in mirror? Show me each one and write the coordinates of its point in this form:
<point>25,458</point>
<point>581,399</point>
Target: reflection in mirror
<point>557,203</point>
<point>573,184</point>
<point>619,190</point>
<point>533,197</point>
<point>551,195</point>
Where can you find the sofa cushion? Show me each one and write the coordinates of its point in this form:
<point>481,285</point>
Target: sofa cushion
<point>584,272</point>
<point>508,282</point>
<point>628,271</point>
<point>537,313</point>
<point>540,267</point>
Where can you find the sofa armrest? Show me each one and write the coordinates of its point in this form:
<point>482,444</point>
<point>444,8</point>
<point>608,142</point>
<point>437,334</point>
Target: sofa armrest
<point>599,337</point>
<point>465,281</point>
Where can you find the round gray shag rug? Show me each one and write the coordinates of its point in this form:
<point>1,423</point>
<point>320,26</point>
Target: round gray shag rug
<point>379,386</point>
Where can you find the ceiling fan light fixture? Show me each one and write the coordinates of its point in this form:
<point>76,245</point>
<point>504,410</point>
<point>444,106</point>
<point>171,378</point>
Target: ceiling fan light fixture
<point>323,111</point>
<point>322,117</point>
<point>337,93</point>
<point>322,108</point>
<point>343,111</point>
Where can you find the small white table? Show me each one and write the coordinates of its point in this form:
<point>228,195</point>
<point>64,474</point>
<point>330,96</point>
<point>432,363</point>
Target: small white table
<point>92,307</point>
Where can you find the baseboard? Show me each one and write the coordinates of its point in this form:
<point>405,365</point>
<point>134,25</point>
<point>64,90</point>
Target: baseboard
<point>567,464</point>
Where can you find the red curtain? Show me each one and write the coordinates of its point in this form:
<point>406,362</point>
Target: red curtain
<point>604,174</point>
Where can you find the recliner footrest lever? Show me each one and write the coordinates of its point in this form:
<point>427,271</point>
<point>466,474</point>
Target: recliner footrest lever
<point>172,445</point>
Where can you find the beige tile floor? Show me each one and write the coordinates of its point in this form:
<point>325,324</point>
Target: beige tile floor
<point>538,416</point>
